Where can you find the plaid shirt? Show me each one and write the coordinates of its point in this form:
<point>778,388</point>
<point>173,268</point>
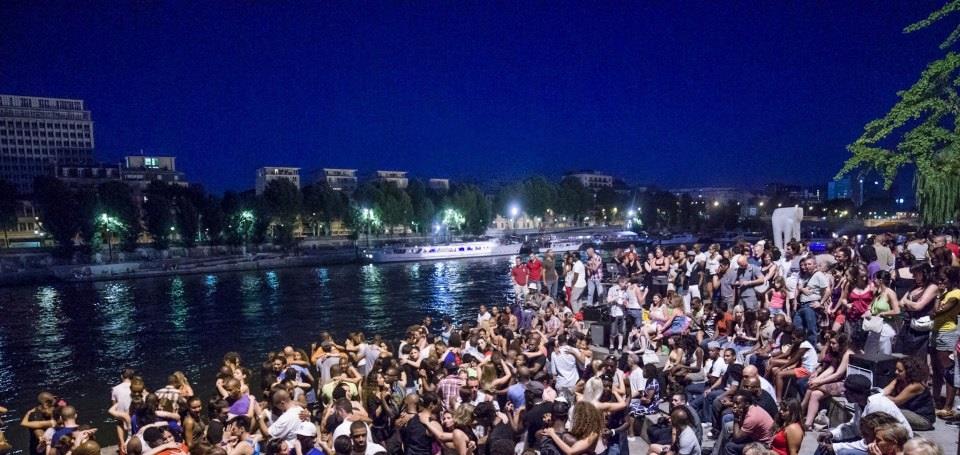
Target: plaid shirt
<point>450,389</point>
<point>595,268</point>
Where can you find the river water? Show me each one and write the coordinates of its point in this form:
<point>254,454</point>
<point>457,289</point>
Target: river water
<point>73,339</point>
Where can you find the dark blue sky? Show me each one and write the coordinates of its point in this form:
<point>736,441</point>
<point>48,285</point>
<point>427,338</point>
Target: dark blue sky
<point>672,93</point>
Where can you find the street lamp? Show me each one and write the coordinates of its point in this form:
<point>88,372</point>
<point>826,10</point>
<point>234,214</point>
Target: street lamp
<point>244,225</point>
<point>514,211</point>
<point>369,217</point>
<point>109,224</point>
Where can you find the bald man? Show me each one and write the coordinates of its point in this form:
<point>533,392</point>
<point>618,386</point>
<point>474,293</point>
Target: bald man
<point>751,371</point>
<point>285,427</point>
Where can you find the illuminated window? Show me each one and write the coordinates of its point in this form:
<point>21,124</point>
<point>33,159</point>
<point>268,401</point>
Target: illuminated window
<point>151,162</point>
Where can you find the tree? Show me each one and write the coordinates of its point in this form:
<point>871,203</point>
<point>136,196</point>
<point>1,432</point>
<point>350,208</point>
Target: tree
<point>116,200</point>
<point>282,202</point>
<point>321,206</point>
<point>574,199</point>
<point>8,209</point>
<point>58,210</point>
<point>470,202</point>
<point>158,213</point>
<point>422,205</point>
<point>394,206</point>
<point>187,219</point>
<point>212,219</point>
<point>922,130</point>
<point>539,194</point>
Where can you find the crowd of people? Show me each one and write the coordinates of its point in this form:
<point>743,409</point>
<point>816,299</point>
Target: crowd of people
<point>732,350</point>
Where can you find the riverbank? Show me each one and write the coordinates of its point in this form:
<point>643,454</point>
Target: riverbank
<point>236,263</point>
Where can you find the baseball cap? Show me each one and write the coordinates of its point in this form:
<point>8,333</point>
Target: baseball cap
<point>713,345</point>
<point>857,384</point>
<point>307,429</point>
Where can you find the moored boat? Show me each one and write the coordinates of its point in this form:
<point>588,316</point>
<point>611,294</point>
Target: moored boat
<point>455,250</point>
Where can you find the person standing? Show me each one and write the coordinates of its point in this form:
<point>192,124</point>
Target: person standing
<point>579,280</point>
<point>550,276</point>
<point>594,277</point>
<point>520,273</point>
<point>748,277</point>
<point>534,273</point>
<point>810,289</point>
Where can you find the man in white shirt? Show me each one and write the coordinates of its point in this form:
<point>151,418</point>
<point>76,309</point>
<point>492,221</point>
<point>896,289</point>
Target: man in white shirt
<point>579,282</point>
<point>483,315</point>
<point>120,395</point>
<point>857,391</point>
<point>638,383</point>
<point>564,361</point>
<point>617,300</point>
<point>286,426</point>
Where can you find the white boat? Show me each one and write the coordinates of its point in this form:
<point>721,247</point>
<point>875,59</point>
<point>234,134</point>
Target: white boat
<point>678,239</point>
<point>459,250</point>
<point>563,246</point>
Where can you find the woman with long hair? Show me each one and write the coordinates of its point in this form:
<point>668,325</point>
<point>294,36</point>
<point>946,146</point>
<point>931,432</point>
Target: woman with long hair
<point>770,270</point>
<point>855,302</point>
<point>944,336</point>
<point>658,267</point>
<point>588,426</point>
<point>194,423</point>
<point>909,391</point>
<point>886,306</point>
<point>917,303</point>
<point>459,424</point>
<point>787,440</point>
<point>828,380</point>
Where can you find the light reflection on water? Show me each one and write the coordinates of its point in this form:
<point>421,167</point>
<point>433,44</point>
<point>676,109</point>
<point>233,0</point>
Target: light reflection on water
<point>74,338</point>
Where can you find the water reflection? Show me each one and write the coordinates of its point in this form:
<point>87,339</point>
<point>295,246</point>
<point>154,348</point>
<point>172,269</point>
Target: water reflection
<point>371,298</point>
<point>48,336</point>
<point>178,305</point>
<point>118,328</point>
<point>250,293</point>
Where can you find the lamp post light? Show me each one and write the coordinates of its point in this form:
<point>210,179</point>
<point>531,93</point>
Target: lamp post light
<point>514,211</point>
<point>245,224</point>
<point>109,224</point>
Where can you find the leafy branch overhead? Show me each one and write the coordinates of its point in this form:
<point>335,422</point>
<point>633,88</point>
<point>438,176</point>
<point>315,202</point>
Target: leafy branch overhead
<point>922,129</point>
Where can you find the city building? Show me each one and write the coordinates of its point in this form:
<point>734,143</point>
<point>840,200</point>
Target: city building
<point>713,194</point>
<point>801,194</point>
<point>398,178</point>
<point>439,184</point>
<point>28,231</point>
<point>344,180</point>
<point>592,179</point>
<point>840,189</point>
<point>138,171</point>
<point>265,175</point>
<point>38,134</point>
<point>88,176</point>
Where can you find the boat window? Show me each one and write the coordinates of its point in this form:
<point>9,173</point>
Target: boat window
<point>461,248</point>
<point>433,250</point>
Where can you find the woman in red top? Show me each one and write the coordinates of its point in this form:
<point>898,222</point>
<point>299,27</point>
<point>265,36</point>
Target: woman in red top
<point>788,438</point>
<point>854,302</point>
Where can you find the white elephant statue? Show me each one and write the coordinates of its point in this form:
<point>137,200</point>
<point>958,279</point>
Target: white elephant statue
<point>786,225</point>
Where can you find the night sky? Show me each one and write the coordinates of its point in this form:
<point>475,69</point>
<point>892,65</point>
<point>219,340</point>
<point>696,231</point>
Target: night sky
<point>670,93</point>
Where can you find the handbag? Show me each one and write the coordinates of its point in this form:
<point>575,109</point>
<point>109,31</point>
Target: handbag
<point>922,324</point>
<point>874,324</point>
